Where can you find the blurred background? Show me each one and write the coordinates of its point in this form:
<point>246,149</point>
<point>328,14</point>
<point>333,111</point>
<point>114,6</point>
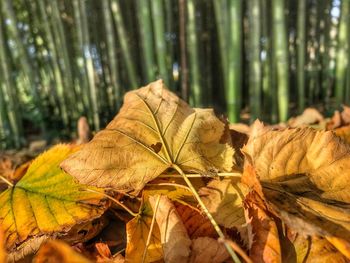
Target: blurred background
<point>62,59</point>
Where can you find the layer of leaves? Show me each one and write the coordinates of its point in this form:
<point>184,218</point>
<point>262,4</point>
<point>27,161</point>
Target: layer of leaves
<point>153,130</point>
<point>305,177</point>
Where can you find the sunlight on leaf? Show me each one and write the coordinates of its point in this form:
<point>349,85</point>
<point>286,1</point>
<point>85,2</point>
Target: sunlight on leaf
<point>224,198</point>
<point>153,130</point>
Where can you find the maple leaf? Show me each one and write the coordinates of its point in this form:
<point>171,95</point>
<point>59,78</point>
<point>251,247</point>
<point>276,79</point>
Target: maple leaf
<point>154,130</point>
<point>305,177</point>
<point>46,201</point>
<point>58,251</point>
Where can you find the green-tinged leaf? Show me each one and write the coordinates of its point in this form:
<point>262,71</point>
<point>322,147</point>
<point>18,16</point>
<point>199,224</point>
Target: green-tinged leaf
<point>46,201</point>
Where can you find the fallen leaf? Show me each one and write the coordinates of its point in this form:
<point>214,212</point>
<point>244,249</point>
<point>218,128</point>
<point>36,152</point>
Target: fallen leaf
<point>301,248</point>
<point>208,250</point>
<point>196,224</point>
<point>154,130</point>
<point>317,159</point>
<point>265,245</point>
<point>137,231</point>
<point>55,251</point>
<point>304,175</point>
<point>339,118</point>
<point>46,201</point>
<point>308,117</point>
<point>175,241</point>
<point>224,198</point>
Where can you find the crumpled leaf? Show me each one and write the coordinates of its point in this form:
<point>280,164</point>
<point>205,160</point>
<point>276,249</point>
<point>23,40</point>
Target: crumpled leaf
<point>175,241</point>
<point>208,250</point>
<point>137,231</point>
<point>153,130</point>
<point>46,201</point>
<point>55,251</point>
<point>305,156</point>
<point>224,198</point>
<point>305,177</point>
<point>265,245</point>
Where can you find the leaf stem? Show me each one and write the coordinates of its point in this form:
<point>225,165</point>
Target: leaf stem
<point>201,175</point>
<point>208,214</point>
<point>127,209</point>
<point>6,181</point>
<point>151,229</point>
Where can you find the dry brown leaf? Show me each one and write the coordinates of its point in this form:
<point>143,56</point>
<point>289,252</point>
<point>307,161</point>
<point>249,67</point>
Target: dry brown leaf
<point>308,117</point>
<point>208,250</point>
<point>55,251</point>
<point>153,131</point>
<point>265,245</point>
<point>223,198</point>
<point>175,241</point>
<point>305,177</point>
<point>196,224</point>
<point>304,157</point>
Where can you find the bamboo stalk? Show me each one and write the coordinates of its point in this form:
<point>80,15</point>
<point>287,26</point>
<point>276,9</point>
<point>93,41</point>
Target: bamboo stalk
<point>266,60</point>
<point>159,39</point>
<point>254,58</point>
<point>192,43</point>
<point>29,74</point>
<point>301,29</point>
<point>183,53</point>
<point>55,61</point>
<point>75,105</point>
<point>342,57</point>
<point>280,50</point>
<point>112,53</point>
<point>122,37</point>
<point>145,25</point>
<point>234,71</point>
<point>81,19</point>
<point>9,96</point>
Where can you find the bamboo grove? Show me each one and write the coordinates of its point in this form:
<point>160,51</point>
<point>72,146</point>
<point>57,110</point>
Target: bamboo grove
<point>61,59</point>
